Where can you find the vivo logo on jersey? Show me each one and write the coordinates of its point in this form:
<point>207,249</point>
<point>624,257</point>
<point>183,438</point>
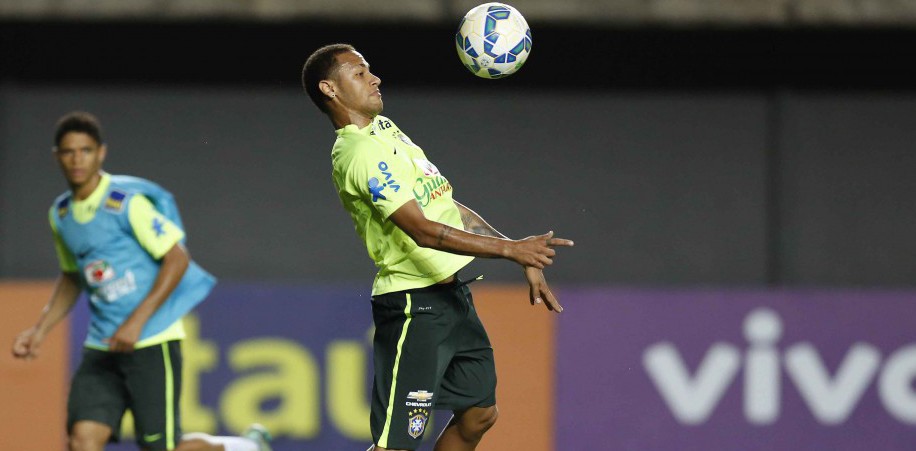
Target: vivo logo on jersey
<point>830,396</point>
<point>376,187</point>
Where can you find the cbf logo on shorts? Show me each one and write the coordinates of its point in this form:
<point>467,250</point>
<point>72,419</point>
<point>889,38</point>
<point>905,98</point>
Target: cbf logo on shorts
<point>98,272</point>
<point>416,423</point>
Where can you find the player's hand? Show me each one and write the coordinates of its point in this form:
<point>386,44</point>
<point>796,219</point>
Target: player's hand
<point>27,343</point>
<point>537,251</point>
<point>125,337</point>
<point>539,292</point>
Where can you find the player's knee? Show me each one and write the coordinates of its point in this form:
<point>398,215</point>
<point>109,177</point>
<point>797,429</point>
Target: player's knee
<point>492,414</point>
<point>88,436</point>
<point>85,442</point>
<point>479,423</point>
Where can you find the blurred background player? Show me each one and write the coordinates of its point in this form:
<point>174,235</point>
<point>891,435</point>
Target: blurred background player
<point>120,239</point>
<point>430,348</point>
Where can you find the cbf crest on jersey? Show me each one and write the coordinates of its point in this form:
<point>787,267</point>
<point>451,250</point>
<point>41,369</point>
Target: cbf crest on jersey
<point>98,272</point>
<point>416,423</point>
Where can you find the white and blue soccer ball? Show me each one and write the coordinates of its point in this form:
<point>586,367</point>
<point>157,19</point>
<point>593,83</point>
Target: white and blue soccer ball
<point>493,40</point>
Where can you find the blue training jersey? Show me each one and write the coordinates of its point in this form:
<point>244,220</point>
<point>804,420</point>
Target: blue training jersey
<point>115,269</point>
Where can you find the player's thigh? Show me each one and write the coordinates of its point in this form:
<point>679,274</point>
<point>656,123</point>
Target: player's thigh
<point>412,332</point>
<point>98,393</point>
<point>409,362</point>
<point>470,378</point>
<point>153,377</point>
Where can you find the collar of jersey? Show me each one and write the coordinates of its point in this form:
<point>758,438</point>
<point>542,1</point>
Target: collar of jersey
<point>352,128</point>
<point>84,210</point>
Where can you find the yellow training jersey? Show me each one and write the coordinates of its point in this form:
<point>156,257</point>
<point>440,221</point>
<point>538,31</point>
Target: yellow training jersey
<point>376,170</point>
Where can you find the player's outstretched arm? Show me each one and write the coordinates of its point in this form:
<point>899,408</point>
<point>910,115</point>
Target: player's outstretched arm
<point>536,251</point>
<point>538,290</point>
<point>172,268</point>
<point>66,291</point>
<point>474,223</point>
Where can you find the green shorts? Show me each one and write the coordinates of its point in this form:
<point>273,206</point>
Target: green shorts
<point>147,381</point>
<point>430,352</point>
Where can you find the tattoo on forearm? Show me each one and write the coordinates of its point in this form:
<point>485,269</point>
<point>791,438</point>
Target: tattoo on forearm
<point>483,230</point>
<point>475,224</point>
<point>467,219</point>
<point>443,234</point>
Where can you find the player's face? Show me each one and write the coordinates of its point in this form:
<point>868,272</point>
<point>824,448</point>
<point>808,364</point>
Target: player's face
<point>80,157</point>
<point>356,88</point>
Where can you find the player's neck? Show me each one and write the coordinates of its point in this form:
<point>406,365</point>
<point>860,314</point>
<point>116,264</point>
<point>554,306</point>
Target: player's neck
<point>351,118</point>
<point>81,192</point>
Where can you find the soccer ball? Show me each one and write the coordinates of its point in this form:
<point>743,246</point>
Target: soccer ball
<point>493,40</point>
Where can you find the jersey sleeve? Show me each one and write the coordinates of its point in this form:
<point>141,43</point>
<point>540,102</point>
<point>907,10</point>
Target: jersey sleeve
<point>383,179</point>
<point>155,233</point>
<point>65,258</point>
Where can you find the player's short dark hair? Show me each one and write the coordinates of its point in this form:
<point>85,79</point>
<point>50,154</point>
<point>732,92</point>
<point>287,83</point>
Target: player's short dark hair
<point>78,121</point>
<point>319,66</point>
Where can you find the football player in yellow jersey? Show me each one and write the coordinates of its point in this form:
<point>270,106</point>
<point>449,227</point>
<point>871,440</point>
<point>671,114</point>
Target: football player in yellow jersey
<point>430,348</point>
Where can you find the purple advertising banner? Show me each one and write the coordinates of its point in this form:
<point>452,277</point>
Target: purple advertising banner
<point>736,370</point>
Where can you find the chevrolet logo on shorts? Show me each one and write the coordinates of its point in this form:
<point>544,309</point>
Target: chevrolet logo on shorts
<point>420,395</point>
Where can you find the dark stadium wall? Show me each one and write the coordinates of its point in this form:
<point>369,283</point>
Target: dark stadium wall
<point>565,55</point>
<point>657,188</point>
<point>674,156</point>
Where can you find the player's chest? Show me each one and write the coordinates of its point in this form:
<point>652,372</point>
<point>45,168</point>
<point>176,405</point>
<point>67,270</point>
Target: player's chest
<point>100,236</point>
<point>407,155</point>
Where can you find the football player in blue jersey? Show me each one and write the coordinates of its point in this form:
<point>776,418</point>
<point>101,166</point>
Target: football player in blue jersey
<point>120,240</point>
